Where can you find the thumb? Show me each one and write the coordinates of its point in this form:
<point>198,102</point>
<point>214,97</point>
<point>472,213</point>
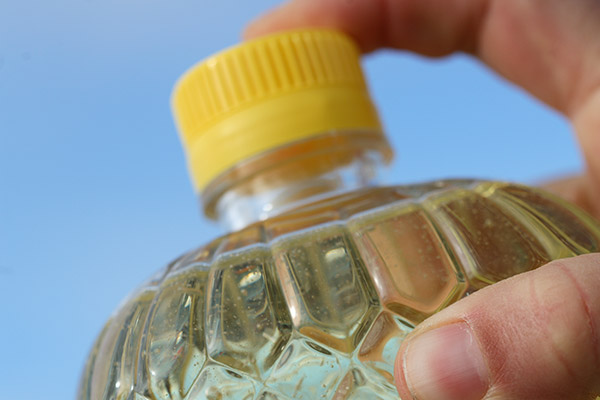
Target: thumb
<point>534,336</point>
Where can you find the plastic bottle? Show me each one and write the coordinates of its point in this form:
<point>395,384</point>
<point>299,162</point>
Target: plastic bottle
<point>322,273</point>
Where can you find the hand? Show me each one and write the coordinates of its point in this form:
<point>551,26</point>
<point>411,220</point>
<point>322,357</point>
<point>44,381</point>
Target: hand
<point>535,336</point>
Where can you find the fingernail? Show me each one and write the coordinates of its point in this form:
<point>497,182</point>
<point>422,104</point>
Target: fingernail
<point>445,364</point>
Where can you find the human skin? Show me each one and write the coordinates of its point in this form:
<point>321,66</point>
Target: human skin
<point>536,335</point>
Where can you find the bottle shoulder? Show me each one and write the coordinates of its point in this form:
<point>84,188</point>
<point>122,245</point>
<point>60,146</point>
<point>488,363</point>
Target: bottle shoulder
<point>465,205</point>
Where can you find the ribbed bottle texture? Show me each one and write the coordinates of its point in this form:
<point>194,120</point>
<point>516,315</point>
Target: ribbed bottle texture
<point>315,303</point>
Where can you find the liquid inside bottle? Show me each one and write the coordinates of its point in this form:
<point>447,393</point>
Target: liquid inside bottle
<point>323,272</point>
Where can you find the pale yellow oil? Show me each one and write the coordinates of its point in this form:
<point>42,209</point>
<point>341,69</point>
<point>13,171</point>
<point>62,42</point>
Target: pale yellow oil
<point>314,304</point>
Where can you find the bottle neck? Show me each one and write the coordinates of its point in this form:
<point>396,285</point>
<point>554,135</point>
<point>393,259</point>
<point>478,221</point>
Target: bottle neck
<point>294,175</point>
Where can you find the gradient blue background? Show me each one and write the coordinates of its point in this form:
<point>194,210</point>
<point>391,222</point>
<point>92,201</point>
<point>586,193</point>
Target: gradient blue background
<point>94,195</point>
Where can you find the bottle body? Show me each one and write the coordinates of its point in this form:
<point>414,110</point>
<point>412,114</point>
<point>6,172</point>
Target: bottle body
<point>314,303</point>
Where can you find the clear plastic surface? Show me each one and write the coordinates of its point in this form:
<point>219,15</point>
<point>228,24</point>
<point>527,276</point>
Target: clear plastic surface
<point>314,303</point>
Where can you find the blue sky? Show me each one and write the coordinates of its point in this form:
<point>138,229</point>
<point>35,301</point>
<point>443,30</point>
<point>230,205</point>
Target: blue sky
<point>94,194</point>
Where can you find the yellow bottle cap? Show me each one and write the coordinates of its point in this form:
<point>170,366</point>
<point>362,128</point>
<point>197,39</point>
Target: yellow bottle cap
<point>266,93</point>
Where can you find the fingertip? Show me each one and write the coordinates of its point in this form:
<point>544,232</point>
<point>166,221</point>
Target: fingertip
<point>443,363</point>
<point>399,376</point>
<point>358,19</point>
<point>270,21</point>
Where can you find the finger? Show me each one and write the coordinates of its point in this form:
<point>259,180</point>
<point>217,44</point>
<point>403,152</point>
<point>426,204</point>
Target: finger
<point>375,24</point>
<point>413,25</point>
<point>548,47</point>
<point>545,46</point>
<point>587,125</point>
<point>535,336</point>
<point>569,189</point>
